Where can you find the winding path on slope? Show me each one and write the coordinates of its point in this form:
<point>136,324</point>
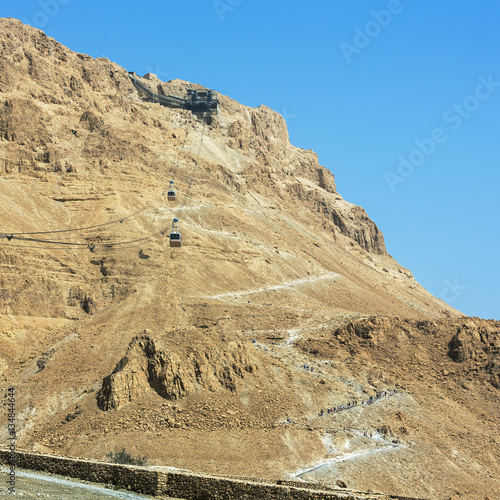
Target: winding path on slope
<point>343,458</point>
<point>286,284</point>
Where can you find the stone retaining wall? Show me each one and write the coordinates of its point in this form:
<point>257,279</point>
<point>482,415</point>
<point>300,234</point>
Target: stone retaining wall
<point>140,479</point>
<point>187,485</point>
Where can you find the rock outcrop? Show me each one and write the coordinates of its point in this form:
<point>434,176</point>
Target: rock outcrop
<point>147,366</point>
<point>474,345</point>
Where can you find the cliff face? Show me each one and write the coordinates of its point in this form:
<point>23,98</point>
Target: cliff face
<point>68,110</point>
<point>276,273</point>
<point>80,148</point>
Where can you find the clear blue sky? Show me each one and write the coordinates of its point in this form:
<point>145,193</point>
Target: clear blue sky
<point>400,99</point>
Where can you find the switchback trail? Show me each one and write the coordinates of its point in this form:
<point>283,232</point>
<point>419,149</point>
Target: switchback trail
<point>343,458</point>
<point>287,284</point>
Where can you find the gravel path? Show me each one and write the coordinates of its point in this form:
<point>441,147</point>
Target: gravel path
<point>34,485</point>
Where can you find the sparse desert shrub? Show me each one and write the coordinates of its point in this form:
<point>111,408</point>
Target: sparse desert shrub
<point>124,457</point>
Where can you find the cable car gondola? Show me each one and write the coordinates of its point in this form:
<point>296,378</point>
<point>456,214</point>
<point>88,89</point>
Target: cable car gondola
<point>171,192</point>
<point>175,236</point>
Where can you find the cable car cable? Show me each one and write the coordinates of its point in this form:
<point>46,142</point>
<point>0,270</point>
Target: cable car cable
<point>9,235</point>
<point>80,245</point>
<point>20,235</point>
<point>191,178</point>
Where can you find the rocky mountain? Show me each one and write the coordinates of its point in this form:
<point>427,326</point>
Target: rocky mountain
<point>218,356</point>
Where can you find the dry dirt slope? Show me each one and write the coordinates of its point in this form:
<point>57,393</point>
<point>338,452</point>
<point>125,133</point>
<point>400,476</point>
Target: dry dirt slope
<point>152,348</point>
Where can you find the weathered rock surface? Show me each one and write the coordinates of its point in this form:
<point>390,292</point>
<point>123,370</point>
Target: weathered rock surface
<point>147,366</point>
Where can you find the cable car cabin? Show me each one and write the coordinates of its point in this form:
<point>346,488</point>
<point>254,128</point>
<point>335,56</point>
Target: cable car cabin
<point>171,192</point>
<point>175,239</point>
<point>175,236</point>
